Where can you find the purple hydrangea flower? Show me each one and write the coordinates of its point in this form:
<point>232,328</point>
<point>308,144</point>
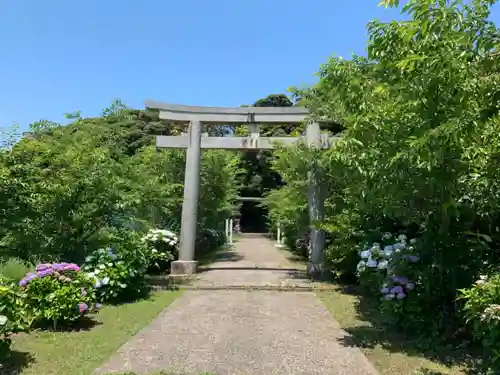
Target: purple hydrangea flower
<point>43,267</point>
<point>400,279</point>
<point>397,289</point>
<point>30,276</point>
<point>400,295</point>
<point>410,286</point>
<point>45,272</point>
<point>384,290</point>
<point>71,267</point>
<point>82,307</point>
<point>66,267</point>
<point>84,292</point>
<point>412,258</point>
<point>98,306</point>
<point>58,266</point>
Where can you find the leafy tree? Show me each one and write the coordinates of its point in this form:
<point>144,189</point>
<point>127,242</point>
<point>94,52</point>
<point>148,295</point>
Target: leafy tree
<point>420,153</point>
<point>64,187</point>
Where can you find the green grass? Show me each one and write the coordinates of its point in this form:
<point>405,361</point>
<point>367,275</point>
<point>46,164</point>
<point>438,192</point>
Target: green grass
<point>80,352</point>
<point>389,352</point>
<point>161,373</point>
<point>15,269</point>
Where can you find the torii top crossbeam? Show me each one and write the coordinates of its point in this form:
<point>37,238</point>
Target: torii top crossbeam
<point>229,115</point>
<point>251,116</point>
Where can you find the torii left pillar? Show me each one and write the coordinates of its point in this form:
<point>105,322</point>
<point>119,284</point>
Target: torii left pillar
<point>186,265</point>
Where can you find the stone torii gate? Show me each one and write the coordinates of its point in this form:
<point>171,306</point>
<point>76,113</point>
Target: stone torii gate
<point>194,141</point>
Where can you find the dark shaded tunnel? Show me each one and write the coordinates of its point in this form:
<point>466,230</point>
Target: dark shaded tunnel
<point>253,218</point>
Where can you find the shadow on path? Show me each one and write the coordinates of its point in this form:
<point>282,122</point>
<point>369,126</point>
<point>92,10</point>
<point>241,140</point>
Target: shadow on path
<point>256,268</point>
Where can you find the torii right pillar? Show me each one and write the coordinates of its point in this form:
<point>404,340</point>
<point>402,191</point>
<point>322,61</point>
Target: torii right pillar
<point>316,201</point>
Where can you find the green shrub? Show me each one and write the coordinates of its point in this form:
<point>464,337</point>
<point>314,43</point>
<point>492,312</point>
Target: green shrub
<point>482,313</point>
<point>14,269</point>
<point>13,318</point>
<point>161,249</point>
<point>118,271</point>
<point>208,241</point>
<point>58,293</point>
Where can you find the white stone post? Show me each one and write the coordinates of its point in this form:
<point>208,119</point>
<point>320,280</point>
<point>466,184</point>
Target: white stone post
<point>231,231</point>
<point>186,265</point>
<point>316,207</point>
<point>279,240</point>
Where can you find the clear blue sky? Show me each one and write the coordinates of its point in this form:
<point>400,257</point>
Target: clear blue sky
<point>60,56</point>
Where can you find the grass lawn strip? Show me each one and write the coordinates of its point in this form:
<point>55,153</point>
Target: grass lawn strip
<point>390,354</point>
<point>79,353</point>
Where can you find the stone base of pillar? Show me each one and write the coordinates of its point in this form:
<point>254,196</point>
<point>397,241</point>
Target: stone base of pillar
<point>183,267</point>
<point>316,271</point>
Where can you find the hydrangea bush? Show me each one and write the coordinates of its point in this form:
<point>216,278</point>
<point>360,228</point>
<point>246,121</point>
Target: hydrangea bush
<point>13,318</point>
<point>116,276</point>
<point>388,269</point>
<point>58,293</point>
<point>482,312</point>
<point>161,249</point>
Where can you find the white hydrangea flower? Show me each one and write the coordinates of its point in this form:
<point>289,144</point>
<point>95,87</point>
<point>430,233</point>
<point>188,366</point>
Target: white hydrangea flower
<point>413,241</point>
<point>398,246</point>
<point>402,237</point>
<point>361,266</point>
<point>3,320</point>
<point>372,263</point>
<point>387,236</point>
<point>382,265</point>
<point>388,250</point>
<point>366,254</point>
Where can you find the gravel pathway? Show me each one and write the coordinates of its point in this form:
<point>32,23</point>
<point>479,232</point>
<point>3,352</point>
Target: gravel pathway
<point>237,332</point>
